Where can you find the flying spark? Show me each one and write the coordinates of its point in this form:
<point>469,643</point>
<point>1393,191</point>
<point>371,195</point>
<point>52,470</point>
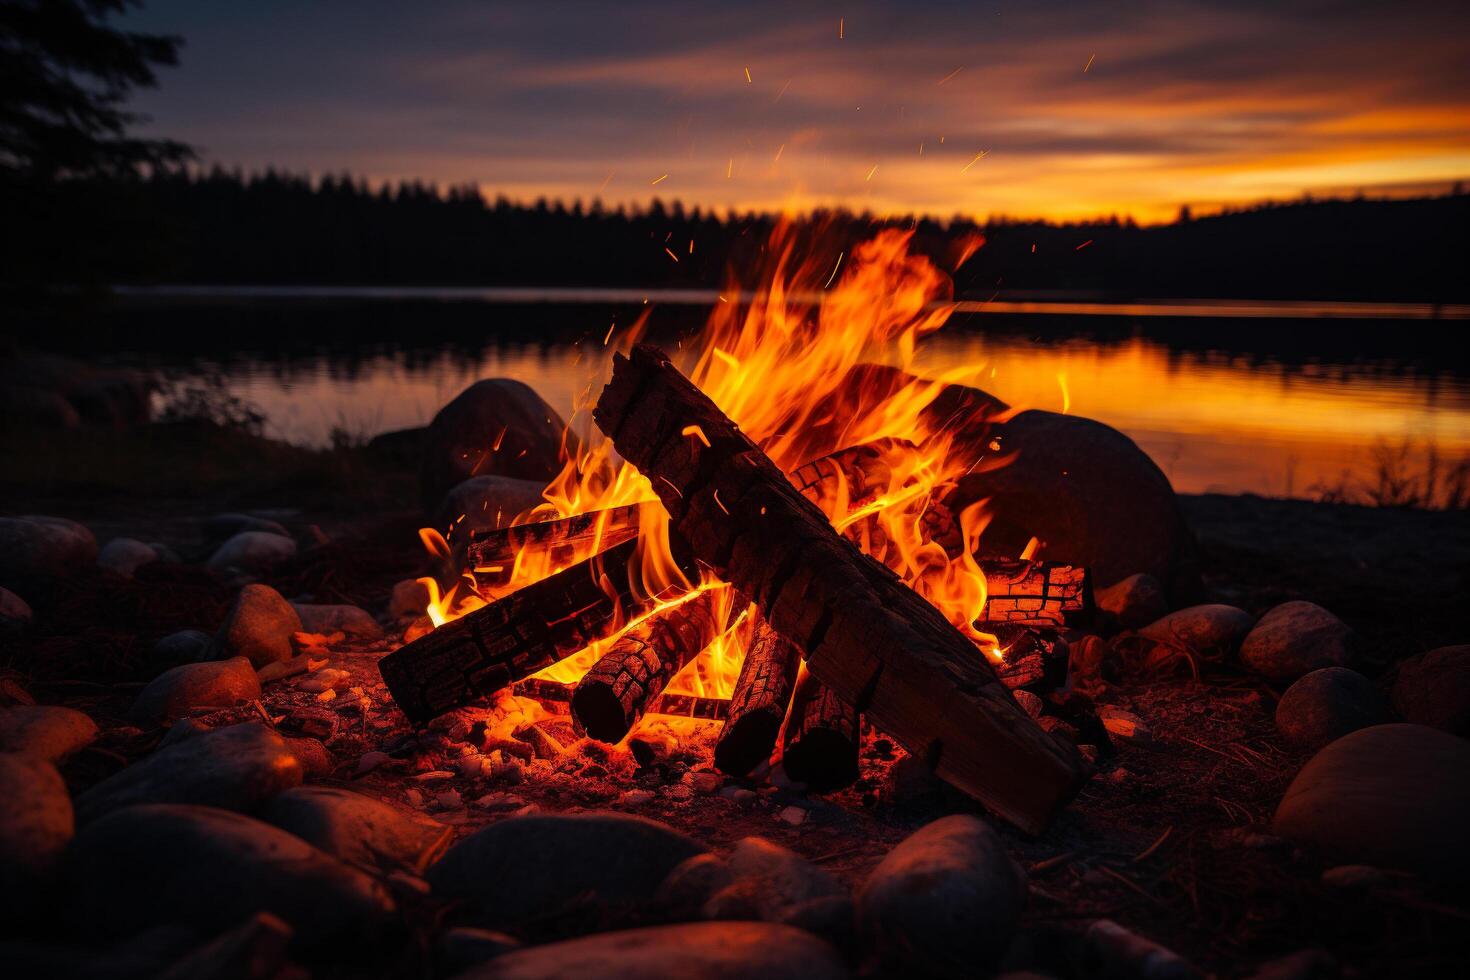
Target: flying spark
<point>872,172</point>
<point>834,269</point>
<point>1083,245</point>
<point>978,157</point>
<point>1089,63</point>
<point>950,75</point>
<point>659,180</point>
<point>779,150</point>
<point>840,27</point>
<point>671,253</point>
<point>747,75</point>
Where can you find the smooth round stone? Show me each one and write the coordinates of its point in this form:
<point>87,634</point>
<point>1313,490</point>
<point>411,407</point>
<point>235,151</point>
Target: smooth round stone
<point>1295,639</point>
<point>326,620</point>
<point>125,556</point>
<point>36,824</point>
<point>252,553</point>
<point>945,902</point>
<point>258,627</point>
<point>44,731</point>
<point>238,767</point>
<point>209,868</point>
<point>1434,689</point>
<point>410,598</point>
<point>1134,602</point>
<point>693,882</point>
<point>1327,704</point>
<point>1392,796</point>
<point>37,549</point>
<point>1212,629</point>
<point>535,866</point>
<point>707,950</point>
<point>178,692</point>
<point>15,613</point>
<point>183,647</point>
<point>768,881</point>
<point>357,828</point>
<point>222,527</point>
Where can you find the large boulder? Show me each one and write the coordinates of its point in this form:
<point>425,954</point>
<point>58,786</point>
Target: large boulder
<point>708,950</point>
<point>1327,704</point>
<point>258,627</point>
<point>35,825</point>
<point>1392,796</point>
<point>38,550</point>
<point>495,427</point>
<point>536,866</point>
<point>1296,638</point>
<point>125,556</point>
<point>488,501</point>
<point>239,767</point>
<point>1434,689</point>
<point>208,868</point>
<point>175,693</point>
<point>358,828</point>
<point>945,902</point>
<point>1088,494</point>
<point>45,731</point>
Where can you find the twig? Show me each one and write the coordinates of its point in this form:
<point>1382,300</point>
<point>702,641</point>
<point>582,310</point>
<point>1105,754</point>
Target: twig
<point>1155,845</point>
<point>1040,867</point>
<point>1130,883</point>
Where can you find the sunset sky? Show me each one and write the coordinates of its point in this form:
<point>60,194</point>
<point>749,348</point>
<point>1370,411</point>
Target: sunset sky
<point>1041,109</point>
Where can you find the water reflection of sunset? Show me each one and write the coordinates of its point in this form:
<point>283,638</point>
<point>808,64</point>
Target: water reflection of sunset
<point>1210,423</point>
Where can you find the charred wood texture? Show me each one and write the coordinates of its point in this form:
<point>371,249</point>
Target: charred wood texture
<point>876,643</point>
<point>1035,593</point>
<point>758,706</point>
<point>619,688</point>
<point>822,738</point>
<point>491,553</point>
<point>1036,660</point>
<point>497,645</point>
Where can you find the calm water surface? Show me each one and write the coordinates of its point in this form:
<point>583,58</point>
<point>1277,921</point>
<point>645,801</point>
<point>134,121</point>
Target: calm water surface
<point>1268,405</point>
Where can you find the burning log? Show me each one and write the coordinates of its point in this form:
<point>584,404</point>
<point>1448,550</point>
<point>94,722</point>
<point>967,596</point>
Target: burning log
<point>876,643</point>
<point>1035,593</point>
<point>491,553</point>
<point>513,637</point>
<point>822,738</point>
<point>758,706</point>
<point>618,689</point>
<point>1036,660</point>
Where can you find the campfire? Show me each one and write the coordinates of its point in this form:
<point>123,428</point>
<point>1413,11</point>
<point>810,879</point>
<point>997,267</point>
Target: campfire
<point>763,533</point>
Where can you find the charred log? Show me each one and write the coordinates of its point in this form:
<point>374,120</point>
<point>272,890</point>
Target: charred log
<point>822,738</point>
<point>875,642</point>
<point>493,647</point>
<point>1036,660</point>
<point>619,688</point>
<point>759,704</point>
<point>492,552</point>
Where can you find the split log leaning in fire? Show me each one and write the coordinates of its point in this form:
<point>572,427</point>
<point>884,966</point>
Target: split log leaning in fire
<point>491,554</point>
<point>615,693</point>
<point>759,703</point>
<point>820,748</point>
<point>875,642</point>
<point>494,646</point>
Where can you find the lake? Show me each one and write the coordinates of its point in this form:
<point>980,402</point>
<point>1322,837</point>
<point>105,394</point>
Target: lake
<point>1275,399</point>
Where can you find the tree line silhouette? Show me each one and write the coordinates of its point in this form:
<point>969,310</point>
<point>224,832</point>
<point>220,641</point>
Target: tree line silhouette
<point>181,225</point>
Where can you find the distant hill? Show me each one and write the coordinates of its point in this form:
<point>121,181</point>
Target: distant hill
<point>220,227</point>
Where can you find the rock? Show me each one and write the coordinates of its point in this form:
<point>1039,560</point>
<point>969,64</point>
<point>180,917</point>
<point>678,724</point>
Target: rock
<point>125,556</point>
<point>1088,492</point>
<point>1393,796</point>
<point>1109,950</point>
<point>1305,964</point>
<point>911,781</point>
<point>221,527</point>
<point>1125,726</point>
<point>1092,662</point>
<point>36,824</point>
<point>1294,639</point>
<point>256,949</point>
<point>536,866</point>
<point>353,621</point>
<point>358,828</point>
<point>495,427</point>
<point>460,948</point>
<point>177,692</point>
<point>238,767</point>
<point>258,627</point>
<point>251,553</point>
<point>1362,877</point>
<point>15,614</point>
<point>183,647</point>
<point>209,868</point>
<point>488,501</point>
<point>692,883</point>
<point>410,598</point>
<point>709,950</point>
<point>1327,704</point>
<point>1434,689</point>
<point>1134,602</point>
<point>37,550</point>
<point>316,761</point>
<point>768,881</point>
<point>45,732</point>
<point>1210,630</point>
<point>944,902</point>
